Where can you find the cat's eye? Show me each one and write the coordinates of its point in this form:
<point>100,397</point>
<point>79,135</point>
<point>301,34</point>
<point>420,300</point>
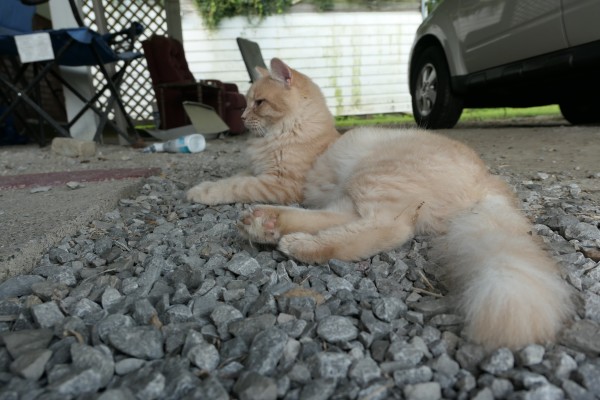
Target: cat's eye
<point>258,102</point>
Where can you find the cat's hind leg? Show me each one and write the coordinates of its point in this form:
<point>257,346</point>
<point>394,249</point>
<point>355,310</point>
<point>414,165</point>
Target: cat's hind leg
<point>353,241</point>
<point>267,224</point>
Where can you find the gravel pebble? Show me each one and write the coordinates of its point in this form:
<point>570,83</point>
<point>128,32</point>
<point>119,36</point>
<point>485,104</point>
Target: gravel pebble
<point>531,354</point>
<point>498,361</point>
<point>31,365</point>
<point>335,328</point>
<point>18,285</point>
<point>140,342</point>
<point>47,315</point>
<point>423,391</point>
<point>266,350</point>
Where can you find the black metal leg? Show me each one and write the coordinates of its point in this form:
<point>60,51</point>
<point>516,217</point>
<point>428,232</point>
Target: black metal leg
<point>32,89</point>
<point>23,94</point>
<point>24,98</point>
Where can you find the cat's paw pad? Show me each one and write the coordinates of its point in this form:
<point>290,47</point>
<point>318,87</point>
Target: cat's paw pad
<point>204,193</point>
<point>260,226</point>
<point>302,247</point>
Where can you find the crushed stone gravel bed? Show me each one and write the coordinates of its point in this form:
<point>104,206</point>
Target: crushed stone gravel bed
<point>162,299</point>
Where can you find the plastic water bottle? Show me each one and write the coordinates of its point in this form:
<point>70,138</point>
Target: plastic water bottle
<point>194,143</point>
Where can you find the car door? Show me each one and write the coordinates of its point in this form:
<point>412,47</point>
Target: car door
<point>581,19</point>
<point>497,32</point>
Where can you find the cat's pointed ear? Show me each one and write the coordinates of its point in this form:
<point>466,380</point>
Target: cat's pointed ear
<point>281,72</point>
<point>262,71</point>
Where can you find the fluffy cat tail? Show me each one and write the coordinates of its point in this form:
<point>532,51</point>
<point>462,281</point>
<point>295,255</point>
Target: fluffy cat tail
<point>506,286</point>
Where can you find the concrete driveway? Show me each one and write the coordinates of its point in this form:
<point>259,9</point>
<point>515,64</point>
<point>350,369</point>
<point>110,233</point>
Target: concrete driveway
<point>530,145</point>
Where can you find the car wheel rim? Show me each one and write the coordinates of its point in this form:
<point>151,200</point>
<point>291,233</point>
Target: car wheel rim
<point>426,89</point>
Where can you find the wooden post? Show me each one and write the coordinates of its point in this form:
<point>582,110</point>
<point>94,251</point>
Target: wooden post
<point>173,11</point>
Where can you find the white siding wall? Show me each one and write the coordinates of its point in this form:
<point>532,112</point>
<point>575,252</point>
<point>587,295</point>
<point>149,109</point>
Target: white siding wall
<point>359,59</point>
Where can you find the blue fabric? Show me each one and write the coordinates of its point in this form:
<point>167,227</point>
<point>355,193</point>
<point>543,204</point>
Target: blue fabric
<point>15,17</point>
<point>80,52</point>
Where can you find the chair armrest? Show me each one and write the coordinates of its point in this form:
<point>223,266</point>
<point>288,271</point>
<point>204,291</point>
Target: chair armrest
<point>124,40</point>
<point>177,85</point>
<point>213,82</point>
<point>228,87</point>
<point>184,85</point>
<point>209,88</point>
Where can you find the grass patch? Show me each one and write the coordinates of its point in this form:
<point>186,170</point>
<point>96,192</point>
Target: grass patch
<point>483,114</point>
<point>373,119</point>
<point>469,114</point>
<point>145,126</point>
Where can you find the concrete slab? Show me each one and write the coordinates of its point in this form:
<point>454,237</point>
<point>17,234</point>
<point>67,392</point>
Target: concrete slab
<point>33,220</point>
<point>50,179</point>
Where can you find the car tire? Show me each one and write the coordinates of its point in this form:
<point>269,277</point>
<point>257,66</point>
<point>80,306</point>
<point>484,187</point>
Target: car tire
<point>578,113</point>
<point>433,103</point>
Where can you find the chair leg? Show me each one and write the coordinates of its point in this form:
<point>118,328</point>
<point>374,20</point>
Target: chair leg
<point>39,137</point>
<point>90,104</point>
<point>22,96</point>
<point>6,99</point>
<point>113,83</point>
<point>112,86</point>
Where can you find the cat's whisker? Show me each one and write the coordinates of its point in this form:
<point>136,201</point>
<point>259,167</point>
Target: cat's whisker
<point>427,292</point>
<point>425,280</point>
<point>261,131</point>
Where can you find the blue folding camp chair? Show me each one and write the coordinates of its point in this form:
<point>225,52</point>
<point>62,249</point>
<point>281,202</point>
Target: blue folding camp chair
<point>72,47</point>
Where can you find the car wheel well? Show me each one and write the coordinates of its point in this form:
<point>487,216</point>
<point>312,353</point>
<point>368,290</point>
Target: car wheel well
<point>424,43</point>
<point>434,104</point>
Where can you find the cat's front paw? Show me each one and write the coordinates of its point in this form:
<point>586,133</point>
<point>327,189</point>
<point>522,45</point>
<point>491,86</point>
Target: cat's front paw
<point>260,225</point>
<point>205,193</point>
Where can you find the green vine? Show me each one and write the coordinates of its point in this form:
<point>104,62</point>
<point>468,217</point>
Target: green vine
<point>214,11</point>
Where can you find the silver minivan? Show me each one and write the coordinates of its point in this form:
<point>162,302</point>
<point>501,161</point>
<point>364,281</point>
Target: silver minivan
<point>506,53</point>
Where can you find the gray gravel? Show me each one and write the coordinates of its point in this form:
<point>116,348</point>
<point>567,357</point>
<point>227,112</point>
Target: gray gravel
<point>161,299</point>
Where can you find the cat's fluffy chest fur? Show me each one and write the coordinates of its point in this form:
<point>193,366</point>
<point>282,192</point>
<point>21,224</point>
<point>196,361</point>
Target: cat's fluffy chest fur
<point>371,190</point>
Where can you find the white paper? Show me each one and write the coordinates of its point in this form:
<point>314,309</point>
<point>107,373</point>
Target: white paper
<point>34,47</point>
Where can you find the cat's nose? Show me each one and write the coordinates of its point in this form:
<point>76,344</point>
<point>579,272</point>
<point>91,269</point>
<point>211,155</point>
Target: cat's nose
<point>244,114</point>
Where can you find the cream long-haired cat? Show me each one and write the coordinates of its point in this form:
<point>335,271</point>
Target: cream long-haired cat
<point>371,190</point>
